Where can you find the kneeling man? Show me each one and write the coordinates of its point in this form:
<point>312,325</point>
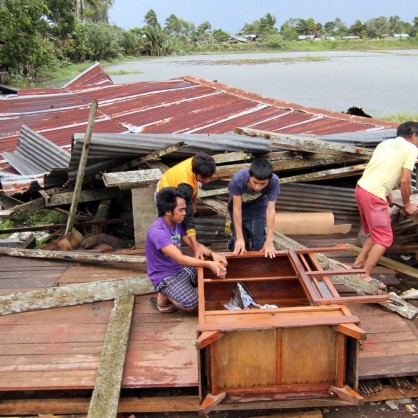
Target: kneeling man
<point>173,274</point>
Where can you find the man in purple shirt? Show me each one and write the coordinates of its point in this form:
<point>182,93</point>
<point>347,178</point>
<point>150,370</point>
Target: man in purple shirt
<point>173,274</point>
<point>252,199</point>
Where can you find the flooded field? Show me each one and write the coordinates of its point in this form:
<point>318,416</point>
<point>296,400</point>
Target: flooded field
<point>381,82</point>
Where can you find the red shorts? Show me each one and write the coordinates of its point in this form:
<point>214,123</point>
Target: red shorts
<point>374,215</point>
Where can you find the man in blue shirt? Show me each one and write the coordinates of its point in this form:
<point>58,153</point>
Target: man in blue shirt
<point>252,207</point>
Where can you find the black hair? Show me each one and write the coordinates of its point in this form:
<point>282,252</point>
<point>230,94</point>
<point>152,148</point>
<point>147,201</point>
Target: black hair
<point>407,129</point>
<point>167,199</point>
<point>204,165</point>
<point>261,169</point>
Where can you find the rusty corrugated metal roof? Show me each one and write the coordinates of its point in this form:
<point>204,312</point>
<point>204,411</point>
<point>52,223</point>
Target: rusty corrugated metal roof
<point>181,106</point>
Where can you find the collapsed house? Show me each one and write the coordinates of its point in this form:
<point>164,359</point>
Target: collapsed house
<point>139,130</point>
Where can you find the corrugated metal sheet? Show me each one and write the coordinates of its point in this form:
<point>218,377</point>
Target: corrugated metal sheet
<point>106,148</point>
<point>35,154</point>
<point>93,76</point>
<point>182,106</point>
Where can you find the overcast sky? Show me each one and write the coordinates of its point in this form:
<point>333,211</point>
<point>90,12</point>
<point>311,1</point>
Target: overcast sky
<point>231,15</point>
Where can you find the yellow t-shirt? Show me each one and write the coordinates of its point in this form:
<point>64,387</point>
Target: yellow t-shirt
<point>384,170</point>
<point>180,173</point>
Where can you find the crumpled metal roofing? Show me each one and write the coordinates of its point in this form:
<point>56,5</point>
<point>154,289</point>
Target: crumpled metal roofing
<point>34,154</point>
<point>106,148</point>
<point>182,106</point>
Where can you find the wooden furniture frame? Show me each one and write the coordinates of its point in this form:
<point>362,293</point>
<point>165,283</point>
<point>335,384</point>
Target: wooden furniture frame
<point>305,348</point>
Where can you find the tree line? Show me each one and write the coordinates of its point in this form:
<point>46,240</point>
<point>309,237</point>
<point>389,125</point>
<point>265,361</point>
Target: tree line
<point>39,34</point>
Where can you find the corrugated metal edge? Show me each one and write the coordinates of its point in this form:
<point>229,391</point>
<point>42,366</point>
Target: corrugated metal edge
<point>287,105</point>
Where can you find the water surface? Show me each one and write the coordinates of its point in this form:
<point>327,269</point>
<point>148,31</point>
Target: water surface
<point>381,82</point>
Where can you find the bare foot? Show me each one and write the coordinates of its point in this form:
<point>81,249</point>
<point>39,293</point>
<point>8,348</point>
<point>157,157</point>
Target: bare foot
<point>358,264</point>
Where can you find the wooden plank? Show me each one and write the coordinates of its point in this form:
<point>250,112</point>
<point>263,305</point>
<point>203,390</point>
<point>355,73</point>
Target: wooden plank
<point>13,284</point>
<point>383,367</point>
<point>80,405</point>
<point>97,312</point>
<point>207,338</point>
<point>79,256</point>
<point>211,402</point>
<point>347,394</point>
<point>105,397</point>
<point>370,349</point>
<point>309,355</point>
<point>352,330</point>
<point>48,380</point>
<point>300,143</point>
<point>340,360</point>
<point>387,337</point>
<point>332,173</point>
<point>64,198</point>
<point>233,352</point>
<point>74,294</point>
<point>81,167</point>
<point>132,179</point>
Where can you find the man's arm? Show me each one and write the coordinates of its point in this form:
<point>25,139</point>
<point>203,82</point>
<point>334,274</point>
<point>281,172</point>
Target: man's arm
<point>207,252</point>
<point>237,219</point>
<point>405,185</point>
<point>189,222</point>
<point>175,254</point>
<point>268,247</point>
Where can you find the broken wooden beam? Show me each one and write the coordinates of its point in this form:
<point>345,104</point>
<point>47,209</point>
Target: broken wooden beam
<point>299,143</point>
<point>79,256</point>
<point>105,398</point>
<point>81,167</point>
<point>333,173</point>
<point>132,179</point>
<point>74,294</point>
<point>347,394</point>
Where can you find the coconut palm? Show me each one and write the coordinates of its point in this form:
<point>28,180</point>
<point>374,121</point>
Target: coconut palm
<point>151,18</point>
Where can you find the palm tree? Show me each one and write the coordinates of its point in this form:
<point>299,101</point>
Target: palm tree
<point>96,10</point>
<point>306,27</point>
<point>156,40</point>
<point>151,18</point>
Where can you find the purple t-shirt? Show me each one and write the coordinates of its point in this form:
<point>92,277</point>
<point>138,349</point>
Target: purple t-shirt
<point>254,204</point>
<point>160,235</point>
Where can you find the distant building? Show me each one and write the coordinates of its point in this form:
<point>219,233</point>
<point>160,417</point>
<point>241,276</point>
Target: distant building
<point>350,38</point>
<point>305,37</point>
<point>234,39</point>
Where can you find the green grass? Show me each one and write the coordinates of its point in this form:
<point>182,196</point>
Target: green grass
<point>122,72</point>
<point>33,218</point>
<point>401,117</point>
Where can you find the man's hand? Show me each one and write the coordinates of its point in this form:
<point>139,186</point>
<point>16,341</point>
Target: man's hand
<point>219,258</point>
<point>390,199</point>
<point>217,268</point>
<point>411,209</point>
<point>239,246</point>
<point>269,250</point>
<point>198,253</point>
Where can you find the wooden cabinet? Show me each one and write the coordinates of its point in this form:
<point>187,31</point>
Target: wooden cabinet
<point>305,348</point>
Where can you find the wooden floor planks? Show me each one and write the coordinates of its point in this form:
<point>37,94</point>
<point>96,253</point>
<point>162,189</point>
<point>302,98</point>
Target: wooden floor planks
<point>60,348</point>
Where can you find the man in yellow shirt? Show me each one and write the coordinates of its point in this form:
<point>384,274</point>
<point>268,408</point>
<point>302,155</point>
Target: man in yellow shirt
<point>188,176</point>
<point>391,165</point>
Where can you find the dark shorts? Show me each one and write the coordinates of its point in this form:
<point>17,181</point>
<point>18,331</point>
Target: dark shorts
<point>375,218</point>
<point>181,287</point>
<point>254,231</point>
